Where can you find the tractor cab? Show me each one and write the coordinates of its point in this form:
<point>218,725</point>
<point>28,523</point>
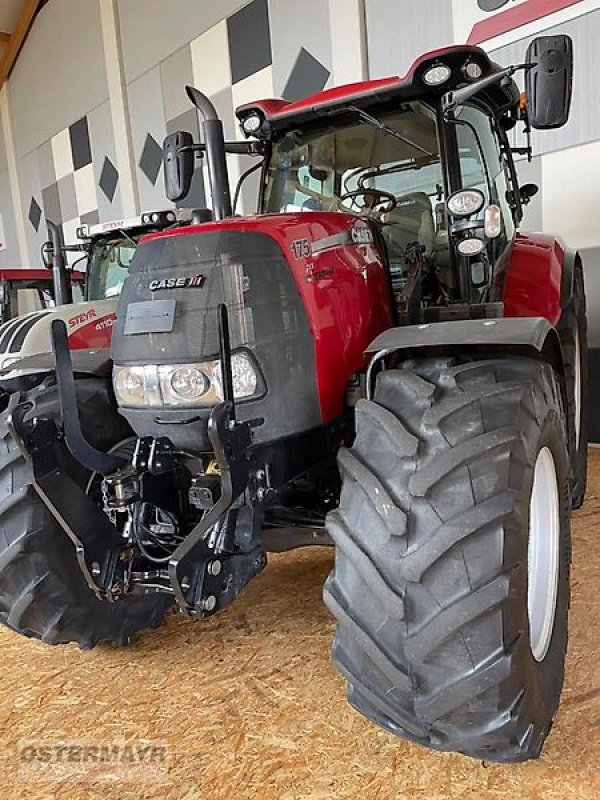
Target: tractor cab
<point>110,246</point>
<point>427,160</point>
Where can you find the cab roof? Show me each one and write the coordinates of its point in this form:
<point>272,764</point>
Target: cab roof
<point>25,275</point>
<point>282,113</point>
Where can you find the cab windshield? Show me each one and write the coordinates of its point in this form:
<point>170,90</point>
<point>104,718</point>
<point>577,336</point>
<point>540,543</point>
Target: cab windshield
<point>108,265</point>
<point>392,174</point>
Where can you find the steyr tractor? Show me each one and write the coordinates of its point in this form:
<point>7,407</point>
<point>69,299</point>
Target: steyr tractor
<point>85,301</point>
<point>24,290</point>
<point>377,360</point>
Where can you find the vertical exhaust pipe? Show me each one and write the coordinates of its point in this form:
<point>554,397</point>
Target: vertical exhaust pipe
<point>63,293</point>
<point>215,153</point>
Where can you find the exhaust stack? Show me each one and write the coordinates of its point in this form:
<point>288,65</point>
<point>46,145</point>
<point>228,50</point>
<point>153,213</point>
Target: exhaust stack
<point>60,277</point>
<point>214,141</point>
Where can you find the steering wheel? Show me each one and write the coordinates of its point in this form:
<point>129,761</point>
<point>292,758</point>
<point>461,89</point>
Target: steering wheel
<point>378,196</point>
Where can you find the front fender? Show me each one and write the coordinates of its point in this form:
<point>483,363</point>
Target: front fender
<point>487,338</point>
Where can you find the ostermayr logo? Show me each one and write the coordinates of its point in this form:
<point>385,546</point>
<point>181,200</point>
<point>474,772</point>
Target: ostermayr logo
<point>138,761</point>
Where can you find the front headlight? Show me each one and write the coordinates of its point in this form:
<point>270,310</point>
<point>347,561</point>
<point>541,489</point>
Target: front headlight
<point>465,203</point>
<point>184,385</point>
<point>243,373</point>
<point>130,386</point>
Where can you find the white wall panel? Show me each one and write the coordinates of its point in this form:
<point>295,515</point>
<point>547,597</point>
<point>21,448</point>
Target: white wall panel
<point>571,196</point>
<point>151,29</point>
<point>60,74</point>
<point>210,60</point>
<point>398,32</point>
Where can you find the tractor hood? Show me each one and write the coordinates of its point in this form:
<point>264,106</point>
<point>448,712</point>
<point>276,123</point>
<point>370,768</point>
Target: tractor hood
<point>26,344</point>
<point>305,293</point>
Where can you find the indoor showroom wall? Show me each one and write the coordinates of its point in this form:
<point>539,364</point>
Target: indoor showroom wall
<point>83,117</point>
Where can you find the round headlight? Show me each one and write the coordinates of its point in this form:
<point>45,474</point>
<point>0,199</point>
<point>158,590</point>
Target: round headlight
<point>465,202</point>
<point>472,71</point>
<point>438,74</point>
<point>470,247</point>
<point>189,383</point>
<point>129,386</point>
<point>251,125</point>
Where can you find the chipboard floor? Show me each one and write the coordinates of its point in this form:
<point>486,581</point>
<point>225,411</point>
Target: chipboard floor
<point>249,706</point>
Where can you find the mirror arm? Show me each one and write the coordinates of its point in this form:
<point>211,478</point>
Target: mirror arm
<point>239,148</point>
<point>451,100</point>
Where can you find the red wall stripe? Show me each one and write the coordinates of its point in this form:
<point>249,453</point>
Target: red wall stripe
<point>515,17</point>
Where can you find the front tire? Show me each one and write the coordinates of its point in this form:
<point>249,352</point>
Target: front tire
<point>43,593</point>
<point>433,568</point>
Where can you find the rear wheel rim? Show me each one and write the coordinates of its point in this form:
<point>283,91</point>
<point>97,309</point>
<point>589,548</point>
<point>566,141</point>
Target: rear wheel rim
<point>542,567</point>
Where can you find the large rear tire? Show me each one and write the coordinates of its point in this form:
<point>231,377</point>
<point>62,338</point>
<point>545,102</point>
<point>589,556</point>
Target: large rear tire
<point>43,593</point>
<point>452,617</point>
<point>572,330</point>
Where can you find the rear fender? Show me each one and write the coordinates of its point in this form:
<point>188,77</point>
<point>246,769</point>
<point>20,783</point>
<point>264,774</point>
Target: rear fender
<point>539,277</point>
<point>533,337</point>
<point>572,259</point>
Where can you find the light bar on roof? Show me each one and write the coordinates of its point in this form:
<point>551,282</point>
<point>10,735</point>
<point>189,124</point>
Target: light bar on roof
<point>148,218</point>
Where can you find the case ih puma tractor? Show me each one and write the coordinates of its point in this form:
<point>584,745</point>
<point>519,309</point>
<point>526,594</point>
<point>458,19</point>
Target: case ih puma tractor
<point>377,360</point>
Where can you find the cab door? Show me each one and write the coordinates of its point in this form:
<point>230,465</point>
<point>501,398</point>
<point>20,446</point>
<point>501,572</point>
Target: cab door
<point>483,165</point>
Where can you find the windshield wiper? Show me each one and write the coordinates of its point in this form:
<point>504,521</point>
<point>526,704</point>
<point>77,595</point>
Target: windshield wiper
<point>376,123</point>
<point>127,236</point>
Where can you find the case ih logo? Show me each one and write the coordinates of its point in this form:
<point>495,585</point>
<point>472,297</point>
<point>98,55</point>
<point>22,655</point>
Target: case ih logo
<point>189,282</point>
<point>513,15</point>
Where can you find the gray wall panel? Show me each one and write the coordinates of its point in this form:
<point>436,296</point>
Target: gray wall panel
<point>584,123</point>
<point>147,117</point>
<point>398,32</point>
<point>151,29</point>
<point>9,257</point>
<point>295,25</point>
<point>31,187</point>
<point>60,74</point>
<point>176,73</point>
<point>103,146</point>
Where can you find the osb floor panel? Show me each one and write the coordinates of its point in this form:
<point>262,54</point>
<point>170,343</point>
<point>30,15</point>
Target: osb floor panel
<point>250,706</point>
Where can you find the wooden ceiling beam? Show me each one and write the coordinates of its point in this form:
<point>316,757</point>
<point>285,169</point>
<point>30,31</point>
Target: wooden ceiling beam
<point>17,38</point>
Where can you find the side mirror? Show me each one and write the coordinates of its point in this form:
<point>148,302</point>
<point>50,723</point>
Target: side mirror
<point>527,192</point>
<point>47,254</point>
<point>549,83</point>
<point>178,154</point>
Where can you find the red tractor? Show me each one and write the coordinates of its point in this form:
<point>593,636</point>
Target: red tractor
<point>377,360</point>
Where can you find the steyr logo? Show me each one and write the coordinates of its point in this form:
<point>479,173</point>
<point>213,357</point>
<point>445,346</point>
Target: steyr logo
<point>189,282</point>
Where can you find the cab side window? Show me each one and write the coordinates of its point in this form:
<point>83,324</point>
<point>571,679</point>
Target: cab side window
<point>483,168</point>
